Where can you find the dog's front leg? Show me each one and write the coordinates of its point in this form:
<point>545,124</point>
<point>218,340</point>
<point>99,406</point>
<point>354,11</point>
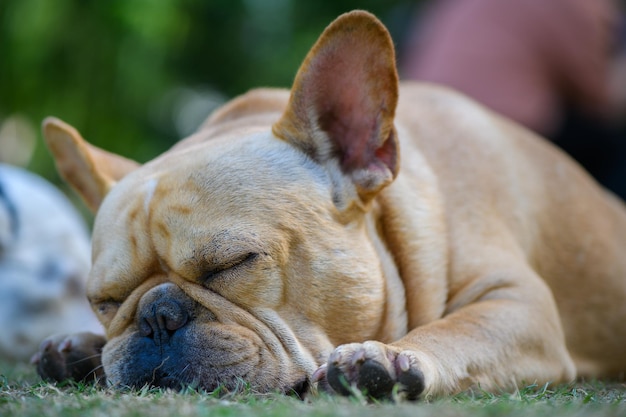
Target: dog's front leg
<point>73,357</point>
<point>499,332</point>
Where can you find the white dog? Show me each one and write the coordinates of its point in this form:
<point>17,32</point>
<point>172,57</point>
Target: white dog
<point>44,260</point>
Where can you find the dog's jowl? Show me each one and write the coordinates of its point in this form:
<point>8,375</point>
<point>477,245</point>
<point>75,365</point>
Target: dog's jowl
<point>352,231</point>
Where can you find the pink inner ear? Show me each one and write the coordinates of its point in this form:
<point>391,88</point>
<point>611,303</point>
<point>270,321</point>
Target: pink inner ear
<point>354,135</point>
<point>352,85</point>
<point>353,112</point>
<point>388,152</point>
<point>347,87</point>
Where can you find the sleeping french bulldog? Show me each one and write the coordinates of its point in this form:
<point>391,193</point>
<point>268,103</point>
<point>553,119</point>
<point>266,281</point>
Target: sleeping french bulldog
<point>44,261</point>
<point>286,243</point>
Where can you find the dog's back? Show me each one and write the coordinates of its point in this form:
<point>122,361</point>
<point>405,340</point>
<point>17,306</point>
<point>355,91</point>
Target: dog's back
<point>537,200</point>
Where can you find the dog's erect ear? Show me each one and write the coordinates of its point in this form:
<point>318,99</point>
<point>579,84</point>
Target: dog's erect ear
<point>89,170</point>
<point>343,102</point>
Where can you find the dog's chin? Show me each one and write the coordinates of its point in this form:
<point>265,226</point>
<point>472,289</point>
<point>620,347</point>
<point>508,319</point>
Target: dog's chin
<point>163,379</point>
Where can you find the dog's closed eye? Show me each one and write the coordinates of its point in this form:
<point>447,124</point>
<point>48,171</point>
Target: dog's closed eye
<point>105,309</point>
<point>217,270</point>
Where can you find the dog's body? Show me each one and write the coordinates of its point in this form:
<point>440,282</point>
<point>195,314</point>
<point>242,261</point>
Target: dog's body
<point>275,246</point>
<point>44,261</point>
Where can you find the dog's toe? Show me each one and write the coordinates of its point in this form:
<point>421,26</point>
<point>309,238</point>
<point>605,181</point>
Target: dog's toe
<point>361,367</point>
<point>374,380</point>
<point>410,377</point>
<point>50,362</point>
<point>336,373</point>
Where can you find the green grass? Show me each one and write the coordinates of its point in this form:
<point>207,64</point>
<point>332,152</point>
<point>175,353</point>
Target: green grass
<point>22,394</point>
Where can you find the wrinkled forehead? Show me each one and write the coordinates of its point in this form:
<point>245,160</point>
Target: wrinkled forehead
<point>230,181</point>
<point>204,203</point>
<point>253,166</point>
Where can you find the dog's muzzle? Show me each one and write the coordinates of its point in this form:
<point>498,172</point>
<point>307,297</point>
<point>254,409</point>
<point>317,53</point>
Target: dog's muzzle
<point>176,343</point>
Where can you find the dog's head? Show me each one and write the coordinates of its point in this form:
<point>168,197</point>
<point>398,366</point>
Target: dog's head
<point>244,253</point>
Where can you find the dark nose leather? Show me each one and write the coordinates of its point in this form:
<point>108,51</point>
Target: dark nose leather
<point>162,312</point>
<point>163,319</point>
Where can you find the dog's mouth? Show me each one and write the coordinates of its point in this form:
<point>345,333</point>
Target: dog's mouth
<point>181,376</point>
<point>203,367</point>
<point>177,344</point>
<point>167,381</point>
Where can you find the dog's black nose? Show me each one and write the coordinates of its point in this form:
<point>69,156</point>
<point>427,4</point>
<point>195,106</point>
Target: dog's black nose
<point>164,318</point>
<point>163,311</point>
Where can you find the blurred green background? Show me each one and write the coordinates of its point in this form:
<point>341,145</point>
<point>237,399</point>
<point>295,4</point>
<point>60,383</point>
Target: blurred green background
<point>134,76</point>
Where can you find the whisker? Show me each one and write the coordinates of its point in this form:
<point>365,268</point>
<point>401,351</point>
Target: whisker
<point>86,358</point>
<point>157,368</point>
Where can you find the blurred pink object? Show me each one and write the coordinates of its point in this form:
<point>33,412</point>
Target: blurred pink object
<point>522,58</point>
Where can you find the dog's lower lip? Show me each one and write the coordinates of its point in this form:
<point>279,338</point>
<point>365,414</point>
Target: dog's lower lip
<point>168,382</point>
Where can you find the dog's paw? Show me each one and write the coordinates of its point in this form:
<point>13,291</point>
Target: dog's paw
<point>376,369</point>
<point>71,357</point>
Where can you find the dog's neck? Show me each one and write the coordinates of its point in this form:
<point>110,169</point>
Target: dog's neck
<point>394,324</point>
<point>413,203</point>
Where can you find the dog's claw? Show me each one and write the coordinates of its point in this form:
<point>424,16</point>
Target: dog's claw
<point>35,359</point>
<point>359,357</point>
<point>319,374</point>
<point>45,345</point>
<point>65,345</point>
<point>411,383</point>
<point>403,362</point>
<point>337,380</point>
